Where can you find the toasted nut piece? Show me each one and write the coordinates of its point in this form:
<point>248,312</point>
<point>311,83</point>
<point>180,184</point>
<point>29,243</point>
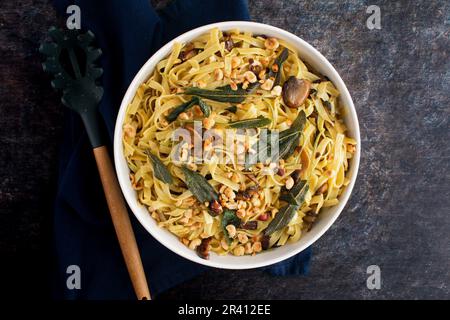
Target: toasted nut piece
<point>240,213</point>
<point>204,235</point>
<point>267,85</point>
<point>208,123</point>
<point>194,244</point>
<point>276,91</point>
<point>229,193</point>
<point>239,251</point>
<point>235,178</point>
<point>185,241</point>
<point>271,43</point>
<point>212,58</point>
<point>245,85</point>
<point>242,238</point>
<point>289,183</point>
<point>351,148</point>
<point>231,205</point>
<point>215,208</point>
<point>295,91</point>
<point>250,76</point>
<point>264,61</point>
<point>256,202</point>
<point>233,86</point>
<point>218,74</point>
<point>242,204</point>
<point>257,247</point>
<point>235,62</point>
<point>231,230</point>
<point>129,130</point>
<point>183,116</point>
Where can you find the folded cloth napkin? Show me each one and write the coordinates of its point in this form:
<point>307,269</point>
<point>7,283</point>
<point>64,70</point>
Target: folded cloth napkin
<point>128,32</point>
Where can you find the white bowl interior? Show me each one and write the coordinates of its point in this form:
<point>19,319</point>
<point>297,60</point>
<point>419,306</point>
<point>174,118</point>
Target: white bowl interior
<point>327,216</point>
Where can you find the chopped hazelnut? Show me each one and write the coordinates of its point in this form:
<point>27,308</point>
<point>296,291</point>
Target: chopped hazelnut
<point>235,62</point>
<point>129,130</point>
<point>183,116</point>
<point>218,74</point>
<point>289,183</point>
<point>231,230</point>
<point>208,123</point>
<point>250,77</point>
<point>239,251</point>
<point>240,213</point>
<point>201,84</point>
<point>271,43</point>
<point>257,247</point>
<point>267,85</point>
<point>242,238</point>
<point>276,91</point>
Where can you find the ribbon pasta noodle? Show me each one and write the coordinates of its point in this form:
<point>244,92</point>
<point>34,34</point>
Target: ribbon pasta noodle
<point>239,60</point>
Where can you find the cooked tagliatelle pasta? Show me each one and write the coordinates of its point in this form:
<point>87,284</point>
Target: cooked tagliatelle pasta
<point>247,87</point>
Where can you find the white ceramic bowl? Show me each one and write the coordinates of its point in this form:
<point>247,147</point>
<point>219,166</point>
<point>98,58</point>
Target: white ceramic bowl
<point>327,216</point>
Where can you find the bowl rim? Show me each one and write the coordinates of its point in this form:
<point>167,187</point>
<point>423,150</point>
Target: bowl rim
<point>146,70</point>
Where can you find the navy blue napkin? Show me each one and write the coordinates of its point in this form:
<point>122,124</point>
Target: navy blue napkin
<point>128,32</point>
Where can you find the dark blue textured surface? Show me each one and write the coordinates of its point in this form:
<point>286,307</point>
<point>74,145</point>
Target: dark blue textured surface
<point>128,33</point>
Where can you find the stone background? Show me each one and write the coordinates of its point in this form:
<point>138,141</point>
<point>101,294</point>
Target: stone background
<point>398,216</point>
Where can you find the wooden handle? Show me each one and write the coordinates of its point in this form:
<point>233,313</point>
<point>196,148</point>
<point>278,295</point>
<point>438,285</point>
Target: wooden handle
<point>122,224</point>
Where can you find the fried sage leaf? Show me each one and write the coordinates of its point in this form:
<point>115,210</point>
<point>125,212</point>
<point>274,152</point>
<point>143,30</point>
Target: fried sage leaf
<point>221,94</point>
<point>173,115</point>
<point>282,219</point>
<point>199,186</point>
<point>288,140</point>
<point>160,170</point>
<point>250,123</point>
<point>232,109</point>
<point>229,217</point>
<point>296,196</point>
<point>204,107</point>
<point>278,63</point>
